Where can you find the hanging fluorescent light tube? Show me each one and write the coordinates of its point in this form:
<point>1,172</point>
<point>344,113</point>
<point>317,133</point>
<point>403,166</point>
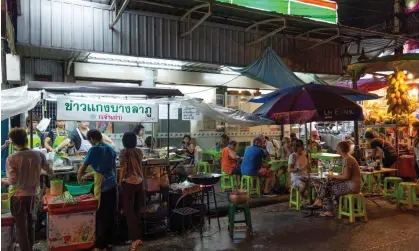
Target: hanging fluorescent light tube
<point>110,62</point>
<point>163,67</point>
<point>230,72</point>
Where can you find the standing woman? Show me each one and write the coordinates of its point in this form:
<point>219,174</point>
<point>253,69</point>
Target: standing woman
<point>101,157</point>
<point>131,178</point>
<point>23,169</point>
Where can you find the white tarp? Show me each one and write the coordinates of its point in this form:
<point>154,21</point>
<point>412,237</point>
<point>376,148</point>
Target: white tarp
<point>18,100</point>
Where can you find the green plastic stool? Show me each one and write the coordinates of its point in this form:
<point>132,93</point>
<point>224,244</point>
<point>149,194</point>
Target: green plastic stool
<point>352,205</point>
<point>232,209</point>
<point>228,181</point>
<point>205,166</point>
<point>391,180</point>
<point>410,198</point>
<point>295,198</point>
<point>251,184</point>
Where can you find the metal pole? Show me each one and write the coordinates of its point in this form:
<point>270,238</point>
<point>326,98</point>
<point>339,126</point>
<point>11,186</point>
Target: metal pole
<point>356,125</point>
<point>119,14</point>
<point>168,129</point>
<point>31,129</point>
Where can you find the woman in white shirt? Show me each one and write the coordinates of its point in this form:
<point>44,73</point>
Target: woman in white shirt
<point>298,166</point>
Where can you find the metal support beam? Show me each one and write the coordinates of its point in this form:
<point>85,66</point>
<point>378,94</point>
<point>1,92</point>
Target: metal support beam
<point>316,30</point>
<point>69,66</point>
<point>265,22</point>
<point>187,16</point>
<point>270,34</point>
<point>113,5</point>
<point>323,41</point>
<point>119,14</point>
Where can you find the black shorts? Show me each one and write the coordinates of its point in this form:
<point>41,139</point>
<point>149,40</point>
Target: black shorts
<point>236,171</point>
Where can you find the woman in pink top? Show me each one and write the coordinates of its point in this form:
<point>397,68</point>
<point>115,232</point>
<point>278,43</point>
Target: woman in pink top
<point>23,170</point>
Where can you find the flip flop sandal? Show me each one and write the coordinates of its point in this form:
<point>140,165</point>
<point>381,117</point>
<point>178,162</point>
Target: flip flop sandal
<point>326,215</point>
<point>134,247</point>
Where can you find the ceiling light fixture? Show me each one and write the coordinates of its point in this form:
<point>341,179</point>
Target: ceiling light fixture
<point>111,62</point>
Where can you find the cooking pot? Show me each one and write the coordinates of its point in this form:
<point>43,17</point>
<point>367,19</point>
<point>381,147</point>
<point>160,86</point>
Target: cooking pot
<point>238,197</point>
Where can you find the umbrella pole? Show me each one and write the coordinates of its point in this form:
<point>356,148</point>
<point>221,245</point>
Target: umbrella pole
<point>356,126</point>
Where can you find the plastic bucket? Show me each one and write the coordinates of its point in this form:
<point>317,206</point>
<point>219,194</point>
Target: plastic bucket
<point>56,187</point>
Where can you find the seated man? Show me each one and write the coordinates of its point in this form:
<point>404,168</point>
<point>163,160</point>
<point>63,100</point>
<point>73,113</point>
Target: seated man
<point>252,164</point>
<point>229,159</point>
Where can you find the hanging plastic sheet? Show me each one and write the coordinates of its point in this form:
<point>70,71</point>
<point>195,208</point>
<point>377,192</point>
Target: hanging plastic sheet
<point>18,100</point>
<point>228,115</point>
<point>270,70</point>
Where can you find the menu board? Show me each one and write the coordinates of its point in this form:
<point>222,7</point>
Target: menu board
<point>191,113</point>
<point>174,111</point>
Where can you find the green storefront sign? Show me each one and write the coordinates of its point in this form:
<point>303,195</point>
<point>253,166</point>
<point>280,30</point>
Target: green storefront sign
<point>320,10</point>
<point>97,110</point>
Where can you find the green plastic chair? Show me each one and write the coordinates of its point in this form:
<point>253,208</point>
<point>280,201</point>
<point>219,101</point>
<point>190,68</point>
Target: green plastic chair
<point>251,184</point>
<point>295,198</point>
<point>391,180</point>
<point>232,209</point>
<point>409,198</point>
<point>203,167</point>
<point>228,181</point>
<point>352,206</point>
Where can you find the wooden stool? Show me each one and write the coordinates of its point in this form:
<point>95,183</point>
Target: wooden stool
<point>295,198</point>
<point>352,205</point>
<point>410,199</point>
<point>251,184</point>
<point>228,181</point>
<point>391,180</point>
<point>205,166</point>
<point>232,209</point>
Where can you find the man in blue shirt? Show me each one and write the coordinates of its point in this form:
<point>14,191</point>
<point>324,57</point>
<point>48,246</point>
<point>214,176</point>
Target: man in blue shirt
<point>252,164</point>
<point>101,157</point>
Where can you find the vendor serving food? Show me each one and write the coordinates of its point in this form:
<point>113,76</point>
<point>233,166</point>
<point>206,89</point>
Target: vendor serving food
<point>79,138</point>
<point>101,157</point>
<point>381,149</point>
<point>56,136</point>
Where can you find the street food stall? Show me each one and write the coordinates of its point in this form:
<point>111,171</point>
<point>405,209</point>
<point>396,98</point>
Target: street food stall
<point>392,116</point>
<point>77,102</point>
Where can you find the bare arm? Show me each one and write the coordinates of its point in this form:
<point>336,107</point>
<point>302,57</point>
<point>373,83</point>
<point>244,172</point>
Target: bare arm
<point>6,144</point>
<point>81,172</point>
<point>292,168</point>
<point>63,144</point>
<point>11,172</point>
<point>108,140</point>
<point>48,144</point>
<point>346,174</point>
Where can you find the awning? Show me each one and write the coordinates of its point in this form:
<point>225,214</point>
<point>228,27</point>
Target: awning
<point>18,100</point>
<point>270,70</point>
